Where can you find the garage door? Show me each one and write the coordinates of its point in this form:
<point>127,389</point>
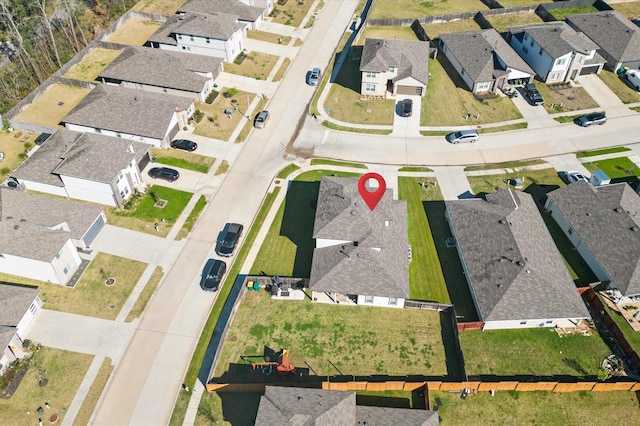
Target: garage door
<point>589,69</point>
<point>173,132</point>
<point>409,90</point>
<point>92,233</point>
<point>143,161</point>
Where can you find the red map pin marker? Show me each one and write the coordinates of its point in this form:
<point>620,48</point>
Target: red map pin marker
<point>372,198</point>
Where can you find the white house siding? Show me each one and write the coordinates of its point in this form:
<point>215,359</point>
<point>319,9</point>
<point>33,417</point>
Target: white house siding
<point>66,262</point>
<point>380,301</point>
<point>151,141</point>
<point>43,187</point>
<point>42,270</point>
<point>379,80</point>
<point>516,74</point>
<point>88,190</point>
<point>225,49</point>
<point>532,323</point>
<point>27,319</point>
<point>198,96</point>
<point>326,243</point>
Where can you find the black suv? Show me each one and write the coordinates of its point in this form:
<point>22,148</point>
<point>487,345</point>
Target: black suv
<point>212,275</point>
<point>587,120</point>
<point>184,144</point>
<point>164,173</point>
<point>231,235</point>
<point>532,93</point>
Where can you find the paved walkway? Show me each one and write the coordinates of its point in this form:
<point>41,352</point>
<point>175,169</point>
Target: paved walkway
<point>453,182</point>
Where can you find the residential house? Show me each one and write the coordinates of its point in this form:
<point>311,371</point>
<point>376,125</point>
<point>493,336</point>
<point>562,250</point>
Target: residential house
<point>250,13</point>
<point>603,224</point>
<point>361,255</point>
<point>18,307</point>
<point>42,235</point>
<point>484,61</point>
<point>555,51</point>
<point>281,405</point>
<point>219,35</point>
<point>617,37</point>
<point>394,67</point>
<point>152,118</point>
<point>515,273</point>
<point>163,71</point>
<point>85,166</point>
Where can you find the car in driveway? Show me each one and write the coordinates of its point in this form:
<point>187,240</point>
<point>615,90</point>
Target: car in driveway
<point>261,119</point>
<point>587,120</point>
<point>463,136</point>
<point>532,93</point>
<point>184,144</point>
<point>406,107</point>
<point>314,77</point>
<point>572,176</point>
<point>165,173</point>
<point>212,275</point>
<point>230,236</point>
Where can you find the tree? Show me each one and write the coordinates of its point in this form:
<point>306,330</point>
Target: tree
<point>42,6</point>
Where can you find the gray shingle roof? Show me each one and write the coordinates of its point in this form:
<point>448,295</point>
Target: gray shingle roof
<point>130,111</point>
<point>614,33</point>
<point>232,7</point>
<point>608,234</point>
<point>6,334</point>
<point>378,265</point>
<point>218,26</point>
<point>161,68</point>
<point>478,53</point>
<point>15,300</point>
<point>556,38</point>
<point>27,223</point>
<point>411,58</point>
<point>387,416</point>
<point>514,268</point>
<point>82,155</point>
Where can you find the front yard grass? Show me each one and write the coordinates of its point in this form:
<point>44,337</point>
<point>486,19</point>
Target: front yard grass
<point>413,9</point>
<point>145,295</point>
<point>91,297</point>
<point>282,174</point>
<point>330,125</point>
<point>53,105</point>
<point>215,124</point>
<point>91,400</point>
<point>64,371</point>
<point>595,152</point>
<point>183,159</point>
<point>268,37</point>
<point>435,30</point>
<point>190,221</point>
<point>415,169</point>
<point>283,68</point>
<point>619,169</point>
<point>141,215</point>
<point>532,352</point>
<point>560,14</point>
<point>507,165</point>
<point>255,65</point>
<point>487,183</point>
<point>631,9</point>
<point>134,32</point>
<point>626,94</point>
<point>571,99</point>
<point>248,126</point>
<point>92,65</point>
<point>291,13</point>
<point>326,162</point>
<point>393,33</point>
<point>502,22</point>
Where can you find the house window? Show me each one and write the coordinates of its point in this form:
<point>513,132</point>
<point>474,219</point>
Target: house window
<point>179,37</point>
<point>368,87</point>
<point>484,86</point>
<point>570,231</point>
<point>191,38</point>
<point>98,130</point>
<point>65,270</point>
<point>579,60</point>
<point>531,44</point>
<point>526,37</point>
<point>118,134</point>
<point>540,52</point>
<point>32,308</point>
<point>208,41</point>
<point>555,76</point>
<point>126,190</point>
<point>523,323</point>
<point>392,69</point>
<point>122,194</point>
<point>371,74</point>
<point>461,72</point>
<point>368,299</point>
<point>393,301</point>
<point>525,49</point>
<point>549,322</point>
<point>58,254</point>
<point>561,61</point>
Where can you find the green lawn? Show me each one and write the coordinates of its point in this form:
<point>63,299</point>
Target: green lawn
<point>414,9</point>
<point>507,165</point>
<point>183,159</point>
<point>532,351</point>
<point>415,169</point>
<point>571,99</point>
<point>287,171</point>
<point>502,22</point>
<point>626,94</point>
<point>324,161</point>
<point>142,300</point>
<point>605,151</point>
<point>619,169</point>
<point>386,33</point>
<point>330,125</point>
<point>560,14</point>
<point>255,65</point>
<point>95,392</point>
<point>190,221</point>
<point>436,30</point>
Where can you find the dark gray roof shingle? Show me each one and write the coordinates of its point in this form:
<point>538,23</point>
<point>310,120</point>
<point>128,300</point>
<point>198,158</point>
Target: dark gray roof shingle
<point>378,265</point>
<point>232,7</point>
<point>411,58</point>
<point>556,38</point>
<point>604,218</point>
<point>14,302</point>
<point>514,267</point>
<point>215,26</point>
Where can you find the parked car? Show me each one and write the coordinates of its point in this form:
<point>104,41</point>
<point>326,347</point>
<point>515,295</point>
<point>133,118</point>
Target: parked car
<point>406,107</point>
<point>184,144</point>
<point>1,155</point>
<point>212,275</point>
<point>532,93</point>
<point>314,77</point>
<point>231,235</point>
<point>463,136</point>
<point>261,119</point>
<point>42,137</point>
<point>571,176</point>
<point>165,173</point>
<point>587,120</point>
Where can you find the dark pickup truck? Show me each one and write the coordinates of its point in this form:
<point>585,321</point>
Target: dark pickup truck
<point>532,93</point>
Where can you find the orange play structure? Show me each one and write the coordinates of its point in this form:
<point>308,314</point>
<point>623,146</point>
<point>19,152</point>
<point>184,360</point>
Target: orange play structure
<point>282,365</point>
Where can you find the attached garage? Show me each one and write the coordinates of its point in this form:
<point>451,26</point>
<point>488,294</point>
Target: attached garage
<point>93,230</point>
<point>590,69</point>
<point>409,90</point>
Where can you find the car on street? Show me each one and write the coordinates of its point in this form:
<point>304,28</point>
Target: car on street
<point>184,144</point>
<point>165,173</point>
<point>463,136</point>
<point>532,93</point>
<point>572,176</point>
<point>230,236</point>
<point>261,119</point>
<point>314,77</point>
<point>587,120</point>
<point>406,107</point>
<point>212,275</point>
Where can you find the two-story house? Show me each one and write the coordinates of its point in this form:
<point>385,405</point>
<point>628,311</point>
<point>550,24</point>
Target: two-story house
<point>248,12</point>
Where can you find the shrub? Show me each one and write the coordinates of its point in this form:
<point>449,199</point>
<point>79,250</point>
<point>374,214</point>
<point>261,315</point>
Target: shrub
<point>22,156</point>
<point>198,116</point>
<point>28,146</point>
<point>275,12</point>
<point>5,171</point>
<point>230,93</point>
<point>240,58</point>
<point>282,2</point>
<point>212,97</point>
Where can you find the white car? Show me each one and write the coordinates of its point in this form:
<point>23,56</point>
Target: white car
<point>1,155</point>
<point>572,176</point>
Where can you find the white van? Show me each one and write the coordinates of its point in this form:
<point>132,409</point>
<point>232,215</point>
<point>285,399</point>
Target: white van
<point>462,136</point>
<point>634,78</point>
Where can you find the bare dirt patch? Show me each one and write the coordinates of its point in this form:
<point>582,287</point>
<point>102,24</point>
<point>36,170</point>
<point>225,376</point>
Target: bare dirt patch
<point>53,105</point>
<point>134,32</point>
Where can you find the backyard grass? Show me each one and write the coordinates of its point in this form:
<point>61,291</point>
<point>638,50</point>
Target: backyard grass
<point>414,9</point>
<point>12,145</point>
<point>283,68</point>
<point>514,3</point>
<point>560,14</point>
<point>141,215</point>
<point>145,295</point>
<point>619,169</point>
<point>571,99</point>
<point>248,126</point>
<point>222,125</point>
<point>268,37</point>
<point>330,125</point>
<point>64,371</point>
<point>222,168</point>
<point>161,7</point>
<point>631,9</point>
<point>334,339</point>
<point>92,64</point>
<point>324,161</point>
<point>537,408</point>
<point>386,33</point>
<point>415,169</point>
<point>255,65</point>
<point>343,103</point>
<point>287,171</point>
<point>626,94</point>
<point>532,352</point>
<point>583,154</point>
<point>291,13</point>
<point>447,100</point>
<point>53,105</point>
<point>190,221</point>
<point>435,30</point>
<point>91,297</point>
<point>91,400</point>
<point>502,22</point>
<point>134,32</point>
<point>507,165</point>
<point>183,159</point>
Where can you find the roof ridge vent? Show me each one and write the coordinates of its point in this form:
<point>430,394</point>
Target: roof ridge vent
<point>617,210</point>
<point>635,229</point>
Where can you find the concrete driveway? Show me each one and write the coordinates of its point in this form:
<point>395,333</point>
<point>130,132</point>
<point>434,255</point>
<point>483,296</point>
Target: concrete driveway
<point>407,126</point>
<point>604,96</point>
<point>535,115</point>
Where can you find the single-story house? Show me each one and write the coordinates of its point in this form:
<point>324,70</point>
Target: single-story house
<point>361,255</point>
<point>617,37</point>
<point>152,118</point>
<point>85,166</point>
<point>42,234</point>
<point>163,71</point>
<point>249,12</point>
<point>555,51</point>
<point>395,67</point>
<point>516,275</point>
<point>484,61</point>
<point>603,223</point>
<point>18,306</point>
<point>219,35</point>
<point>283,405</point>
